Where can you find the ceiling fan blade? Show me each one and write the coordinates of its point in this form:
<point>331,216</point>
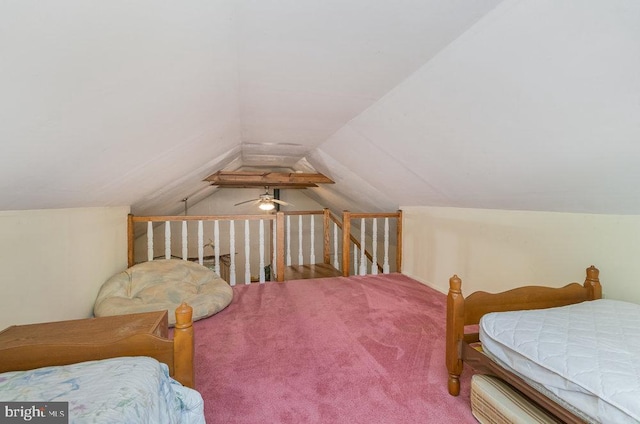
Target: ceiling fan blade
<point>247,201</point>
<point>280,202</point>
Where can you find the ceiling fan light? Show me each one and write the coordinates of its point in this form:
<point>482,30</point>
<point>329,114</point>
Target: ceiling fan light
<point>266,206</point>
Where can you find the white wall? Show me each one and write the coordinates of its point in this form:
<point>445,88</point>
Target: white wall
<point>533,108</point>
<point>114,103</point>
<point>53,262</point>
<point>494,250</point>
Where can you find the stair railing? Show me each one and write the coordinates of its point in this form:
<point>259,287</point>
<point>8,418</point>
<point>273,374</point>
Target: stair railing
<point>274,241</point>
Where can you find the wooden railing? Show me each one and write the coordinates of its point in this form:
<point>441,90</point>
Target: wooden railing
<point>361,265</point>
<point>275,242</point>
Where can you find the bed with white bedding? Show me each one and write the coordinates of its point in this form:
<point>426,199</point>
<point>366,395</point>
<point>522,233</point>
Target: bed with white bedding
<point>120,369</point>
<point>116,390</point>
<point>586,355</point>
<point>464,347</point>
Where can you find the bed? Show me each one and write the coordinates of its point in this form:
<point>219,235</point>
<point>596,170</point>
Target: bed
<point>142,377</point>
<point>571,352</point>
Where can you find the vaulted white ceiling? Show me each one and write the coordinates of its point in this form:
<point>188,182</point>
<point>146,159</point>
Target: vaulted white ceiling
<point>514,104</point>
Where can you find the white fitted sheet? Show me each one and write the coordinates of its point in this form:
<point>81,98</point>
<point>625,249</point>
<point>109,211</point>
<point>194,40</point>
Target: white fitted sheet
<point>587,355</point>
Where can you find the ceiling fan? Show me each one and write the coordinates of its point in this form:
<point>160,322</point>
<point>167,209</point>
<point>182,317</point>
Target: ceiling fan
<point>265,201</point>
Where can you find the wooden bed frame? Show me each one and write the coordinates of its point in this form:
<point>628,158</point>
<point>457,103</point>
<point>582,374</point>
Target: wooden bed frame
<point>177,353</point>
<point>463,312</point>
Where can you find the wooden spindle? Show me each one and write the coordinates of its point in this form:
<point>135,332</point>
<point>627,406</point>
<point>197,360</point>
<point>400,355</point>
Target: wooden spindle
<point>385,264</point>
<point>167,239</point>
<point>336,262</point>
<point>149,241</point>
<point>200,243</point>
<point>247,253</point>
<point>399,242</point>
<point>374,247</point>
<point>261,241</point>
<point>312,250</point>
<point>185,241</point>
<point>216,247</point>
<point>300,257</point>
<point>363,257</point>
<point>274,252</point>
<point>280,245</point>
<point>355,260</point>
<point>288,240</point>
<point>232,251</point>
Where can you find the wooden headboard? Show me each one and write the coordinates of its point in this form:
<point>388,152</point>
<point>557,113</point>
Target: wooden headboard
<point>19,353</point>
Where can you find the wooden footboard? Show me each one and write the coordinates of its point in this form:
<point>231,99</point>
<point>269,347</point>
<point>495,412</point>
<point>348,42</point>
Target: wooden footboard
<point>33,346</point>
<point>463,312</point>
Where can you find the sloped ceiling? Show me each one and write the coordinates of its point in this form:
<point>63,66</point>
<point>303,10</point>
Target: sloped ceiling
<point>514,104</point>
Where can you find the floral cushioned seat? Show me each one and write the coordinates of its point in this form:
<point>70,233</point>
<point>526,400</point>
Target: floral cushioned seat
<point>163,285</point>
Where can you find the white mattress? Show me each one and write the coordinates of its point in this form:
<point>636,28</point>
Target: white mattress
<point>588,354</point>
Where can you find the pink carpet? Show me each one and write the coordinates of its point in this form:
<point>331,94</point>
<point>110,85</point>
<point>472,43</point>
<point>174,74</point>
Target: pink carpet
<point>337,350</point>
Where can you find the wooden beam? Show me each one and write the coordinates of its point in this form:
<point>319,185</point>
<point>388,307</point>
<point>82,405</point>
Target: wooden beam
<point>264,179</point>
<point>261,185</point>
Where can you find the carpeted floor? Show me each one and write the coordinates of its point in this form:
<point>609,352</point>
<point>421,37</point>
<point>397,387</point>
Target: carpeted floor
<point>364,349</point>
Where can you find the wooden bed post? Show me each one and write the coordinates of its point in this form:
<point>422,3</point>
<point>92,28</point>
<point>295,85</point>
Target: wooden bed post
<point>346,241</point>
<point>183,351</point>
<point>326,225</point>
<point>592,283</point>
<point>130,241</point>
<point>455,333</point>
